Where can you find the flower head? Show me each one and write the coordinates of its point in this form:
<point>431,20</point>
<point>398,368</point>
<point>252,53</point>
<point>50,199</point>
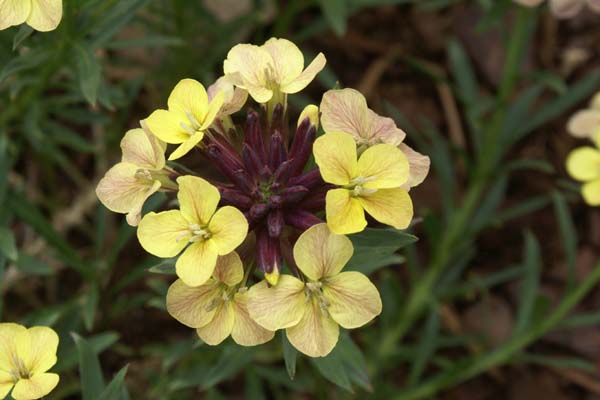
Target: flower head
<point>583,164</point>
<point>188,116</point>
<point>218,308</point>
<point>25,357</point>
<point>586,123</point>
<point>372,183</point>
<point>273,69</point>
<point>41,15</point>
<point>204,231</point>
<point>311,311</point>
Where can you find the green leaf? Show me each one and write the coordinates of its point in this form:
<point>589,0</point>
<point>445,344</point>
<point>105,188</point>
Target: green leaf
<point>425,348</point>
<point>290,355</point>
<point>8,246</point>
<point>568,234</point>
<point>555,362</point>
<point>115,387</point>
<point>88,308</point>
<point>114,19</point>
<point>165,267</point>
<point>529,287</point>
<point>376,248</point>
<point>28,60</point>
<point>89,72</point>
<point>90,372</point>
<point>462,71</point>
<point>24,32</point>
<point>32,265</point>
<point>332,369</point>
<point>336,14</point>
<point>5,163</point>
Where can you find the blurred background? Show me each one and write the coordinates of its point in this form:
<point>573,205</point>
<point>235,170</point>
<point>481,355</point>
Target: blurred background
<point>497,299</point>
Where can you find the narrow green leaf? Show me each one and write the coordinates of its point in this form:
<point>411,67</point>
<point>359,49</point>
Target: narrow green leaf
<point>34,266</point>
<point>4,166</point>
<point>529,287</point>
<point>8,246</point>
<point>28,60</point>
<point>290,355</point>
<point>332,369</point>
<point>89,306</point>
<point>555,362</point>
<point>115,387</point>
<point>336,14</point>
<point>354,361</point>
<point>24,32</point>
<point>425,348</point>
<point>568,234</point>
<point>463,73</point>
<point>165,267</point>
<point>89,72</point>
<point>90,372</point>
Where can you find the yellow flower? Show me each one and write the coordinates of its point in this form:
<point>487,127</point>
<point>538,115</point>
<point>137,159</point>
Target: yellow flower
<point>233,98</point>
<point>218,308</point>
<point>41,15</point>
<point>25,357</point>
<point>583,164</point>
<point>189,115</point>
<point>312,311</point>
<point>372,183</point>
<point>586,123</point>
<point>346,111</point>
<point>210,232</point>
<point>127,185</point>
<point>270,70</point>
<point>312,113</point>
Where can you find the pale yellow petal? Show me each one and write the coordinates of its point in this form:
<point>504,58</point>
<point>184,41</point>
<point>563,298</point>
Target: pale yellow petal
<point>234,98</point>
<point>15,341</point>
<point>141,148</point>
<point>6,384</point>
<point>583,123</point>
<point>13,12</point>
<point>245,331</point>
<point>220,326</point>
<point>566,8</point>
<point>198,199</point>
<point>192,306</point>
<point>346,111</point>
<point>389,206</point>
<point>213,109</point>
<point>120,190</point>
<point>229,269</point>
<point>287,61</point>
<point>197,263</point>
<point>319,253</point>
<point>383,166</point>
<point>277,307</point>
<point>134,215</point>
<point>249,63</point>
<point>583,164</point>
<point>42,354</point>
<point>186,146</point>
<point>36,387</point>
<point>335,154</point>
<point>418,166</point>
<point>312,113</point>
<point>345,213</point>
<point>167,126</point>
<point>316,334</point>
<point>189,97</point>
<point>164,234</point>
<point>353,299</point>
<point>306,77</point>
<point>228,228</point>
<point>384,130</point>
<point>591,192</point>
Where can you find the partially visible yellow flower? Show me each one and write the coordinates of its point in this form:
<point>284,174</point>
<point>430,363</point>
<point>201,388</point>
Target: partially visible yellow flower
<point>371,183</point>
<point>233,98</point>
<point>127,185</point>
<point>209,232</point>
<point>270,70</point>
<point>586,123</point>
<point>583,164</point>
<point>564,8</point>
<point>41,15</point>
<point>218,308</point>
<point>312,113</point>
<point>312,312</point>
<point>189,115</point>
<point>25,357</point>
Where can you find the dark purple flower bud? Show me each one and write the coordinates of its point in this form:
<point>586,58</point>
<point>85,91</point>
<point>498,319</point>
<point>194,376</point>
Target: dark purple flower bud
<point>294,194</point>
<point>310,179</point>
<point>300,136</point>
<point>266,173</point>
<point>251,160</point>
<point>276,151</point>
<point>235,198</point>
<point>301,219</point>
<point>282,174</point>
<point>303,151</point>
<point>277,119</point>
<point>253,135</point>
<point>315,200</point>
<point>224,165</point>
<point>241,179</point>
<point>258,211</point>
<point>268,253</point>
<point>275,200</point>
<point>275,222</point>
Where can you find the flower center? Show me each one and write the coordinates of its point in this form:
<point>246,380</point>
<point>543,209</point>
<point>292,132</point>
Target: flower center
<point>20,371</point>
<point>357,186</point>
<point>199,233</point>
<point>193,126</point>
<point>314,292</point>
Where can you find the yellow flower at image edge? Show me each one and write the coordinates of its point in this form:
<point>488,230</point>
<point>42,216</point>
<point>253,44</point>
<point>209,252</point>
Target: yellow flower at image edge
<point>218,308</point>
<point>312,312</point>
<point>25,357</point>
<point>583,164</point>
<point>41,15</point>
<point>198,227</point>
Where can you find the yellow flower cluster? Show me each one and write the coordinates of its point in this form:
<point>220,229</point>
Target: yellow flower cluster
<point>41,15</point>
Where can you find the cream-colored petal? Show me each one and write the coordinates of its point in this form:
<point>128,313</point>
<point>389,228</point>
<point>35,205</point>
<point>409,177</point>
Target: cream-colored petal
<point>15,342</point>
<point>164,234</point>
<point>335,154</point>
<point>591,192</point>
<point>583,163</point>
<point>418,166</point>
<point>143,149</point>
<point>245,331</point>
<point>186,146</point>
<point>389,206</point>
<point>189,98</point>
<point>316,334</point>
<point>277,307</point>
<point>583,123</point>
<point>566,8</point>
<point>384,130</point>
<point>220,326</point>
<point>229,228</point>
<point>45,14</point>
<point>383,166</point>
<point>260,94</point>
<point>134,215</point>
<point>286,61</point>
<point>319,253</point>
<point>353,299</point>
<point>120,190</point>
<point>198,199</point>
<point>234,98</point>
<point>306,77</point>
<point>250,63</point>
<point>13,12</point>
<point>193,306</point>
<point>346,111</point>
<point>594,5</point>
<point>345,213</point>
<point>36,387</point>
<point>197,263</point>
<point>229,269</point>
<point>42,355</point>
<point>530,3</point>
<point>213,110</point>
<point>167,126</point>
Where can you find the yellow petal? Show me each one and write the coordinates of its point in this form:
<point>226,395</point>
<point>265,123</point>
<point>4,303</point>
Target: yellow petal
<point>418,166</point>
<point>45,14</point>
<point>583,164</point>
<point>42,354</point>
<point>186,146</point>
<point>335,154</point>
<point>345,213</point>
<point>13,12</point>
<point>228,228</point>
<point>346,111</point>
<point>583,123</point>
<point>286,61</point>
<point>197,263</point>
<point>36,387</point>
<point>234,98</point>
<point>15,341</point>
<point>192,306</point>
<point>595,102</point>
<point>384,130</point>
<point>389,206</point>
<point>220,326</point>
<point>319,253</point>
<point>134,215</point>
<point>245,331</point>
<point>591,192</point>
<point>312,113</point>
<point>142,149</point>
<point>316,334</point>
<point>166,125</point>
<point>6,384</point>
<point>198,199</point>
<point>278,306</point>
<point>229,269</point>
<point>384,166</point>
<point>353,299</point>
<point>306,77</point>
<point>164,234</point>
<point>213,109</point>
<point>249,63</point>
<point>189,96</point>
